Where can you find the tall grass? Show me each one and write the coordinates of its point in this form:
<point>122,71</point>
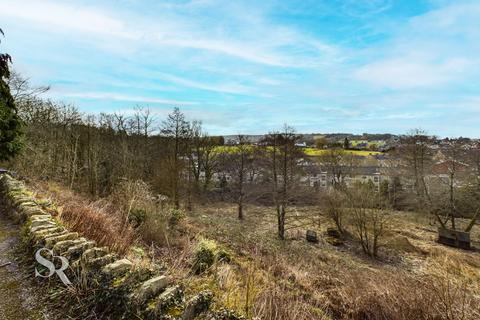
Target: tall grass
<point>95,220</point>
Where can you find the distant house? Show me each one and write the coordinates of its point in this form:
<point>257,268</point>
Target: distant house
<point>365,174</point>
<point>362,145</point>
<point>447,166</point>
<point>442,171</point>
<point>318,180</point>
<point>349,176</point>
<point>301,144</point>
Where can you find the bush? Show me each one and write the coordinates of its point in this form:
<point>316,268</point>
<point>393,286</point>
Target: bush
<point>137,217</point>
<point>399,296</point>
<point>175,216</point>
<point>154,229</point>
<point>223,255</point>
<point>207,253</point>
<point>333,206</point>
<point>368,219</point>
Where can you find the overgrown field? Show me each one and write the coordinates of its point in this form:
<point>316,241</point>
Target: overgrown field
<point>251,271</point>
<point>416,278</point>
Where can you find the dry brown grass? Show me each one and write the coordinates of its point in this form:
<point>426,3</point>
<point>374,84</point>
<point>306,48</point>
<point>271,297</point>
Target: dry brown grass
<point>95,220</point>
<point>401,296</point>
<point>414,279</point>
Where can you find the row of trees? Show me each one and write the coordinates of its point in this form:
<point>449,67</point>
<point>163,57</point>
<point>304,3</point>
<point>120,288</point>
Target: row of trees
<point>94,153</point>
<point>446,188</point>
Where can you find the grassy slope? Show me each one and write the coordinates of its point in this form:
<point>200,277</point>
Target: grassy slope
<point>416,277</point>
<point>298,280</point>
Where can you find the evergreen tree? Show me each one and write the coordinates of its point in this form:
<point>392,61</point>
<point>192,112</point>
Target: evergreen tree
<point>346,144</point>
<point>10,123</point>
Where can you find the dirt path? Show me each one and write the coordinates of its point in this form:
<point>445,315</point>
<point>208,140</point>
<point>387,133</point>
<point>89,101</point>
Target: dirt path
<point>17,298</point>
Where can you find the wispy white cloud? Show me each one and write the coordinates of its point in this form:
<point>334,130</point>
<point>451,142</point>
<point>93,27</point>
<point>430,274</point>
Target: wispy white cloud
<point>365,8</point>
<point>224,88</point>
<point>65,17</point>
<point>261,44</point>
<point>217,57</point>
<point>433,50</point>
<point>121,97</point>
<point>412,72</point>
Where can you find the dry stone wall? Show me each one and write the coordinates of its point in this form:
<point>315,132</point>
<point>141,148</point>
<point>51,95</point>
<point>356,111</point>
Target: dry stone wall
<point>122,289</point>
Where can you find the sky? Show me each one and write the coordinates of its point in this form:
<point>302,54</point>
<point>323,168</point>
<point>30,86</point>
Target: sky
<point>248,67</point>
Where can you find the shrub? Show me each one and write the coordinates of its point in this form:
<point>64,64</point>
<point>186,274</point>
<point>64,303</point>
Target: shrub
<point>223,255</point>
<point>207,253</point>
<point>400,296</point>
<point>98,221</point>
<point>369,221</point>
<point>204,255</point>
<point>175,216</point>
<point>333,206</point>
<point>137,217</point>
<point>154,229</point>
<point>226,314</point>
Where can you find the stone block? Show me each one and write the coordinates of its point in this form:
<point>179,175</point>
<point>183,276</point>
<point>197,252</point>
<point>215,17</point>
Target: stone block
<point>51,241</point>
<point>62,246</point>
<point>151,288</point>
<point>95,252</point>
<point>118,268</point>
<point>197,305</point>
<point>75,252</point>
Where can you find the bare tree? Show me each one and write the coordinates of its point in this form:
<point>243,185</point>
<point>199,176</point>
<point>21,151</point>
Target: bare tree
<point>239,161</point>
<point>203,155</point>
<point>473,159</point>
<point>369,219</point>
<point>22,91</point>
<point>333,204</point>
<point>283,158</point>
<point>339,165</point>
<point>415,151</point>
<point>454,152</point>
<point>177,130</point>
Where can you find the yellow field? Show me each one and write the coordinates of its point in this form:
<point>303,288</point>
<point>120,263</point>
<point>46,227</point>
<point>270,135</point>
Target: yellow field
<point>229,149</point>
<point>312,152</point>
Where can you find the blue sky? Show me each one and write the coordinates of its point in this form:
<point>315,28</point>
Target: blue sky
<point>251,66</point>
